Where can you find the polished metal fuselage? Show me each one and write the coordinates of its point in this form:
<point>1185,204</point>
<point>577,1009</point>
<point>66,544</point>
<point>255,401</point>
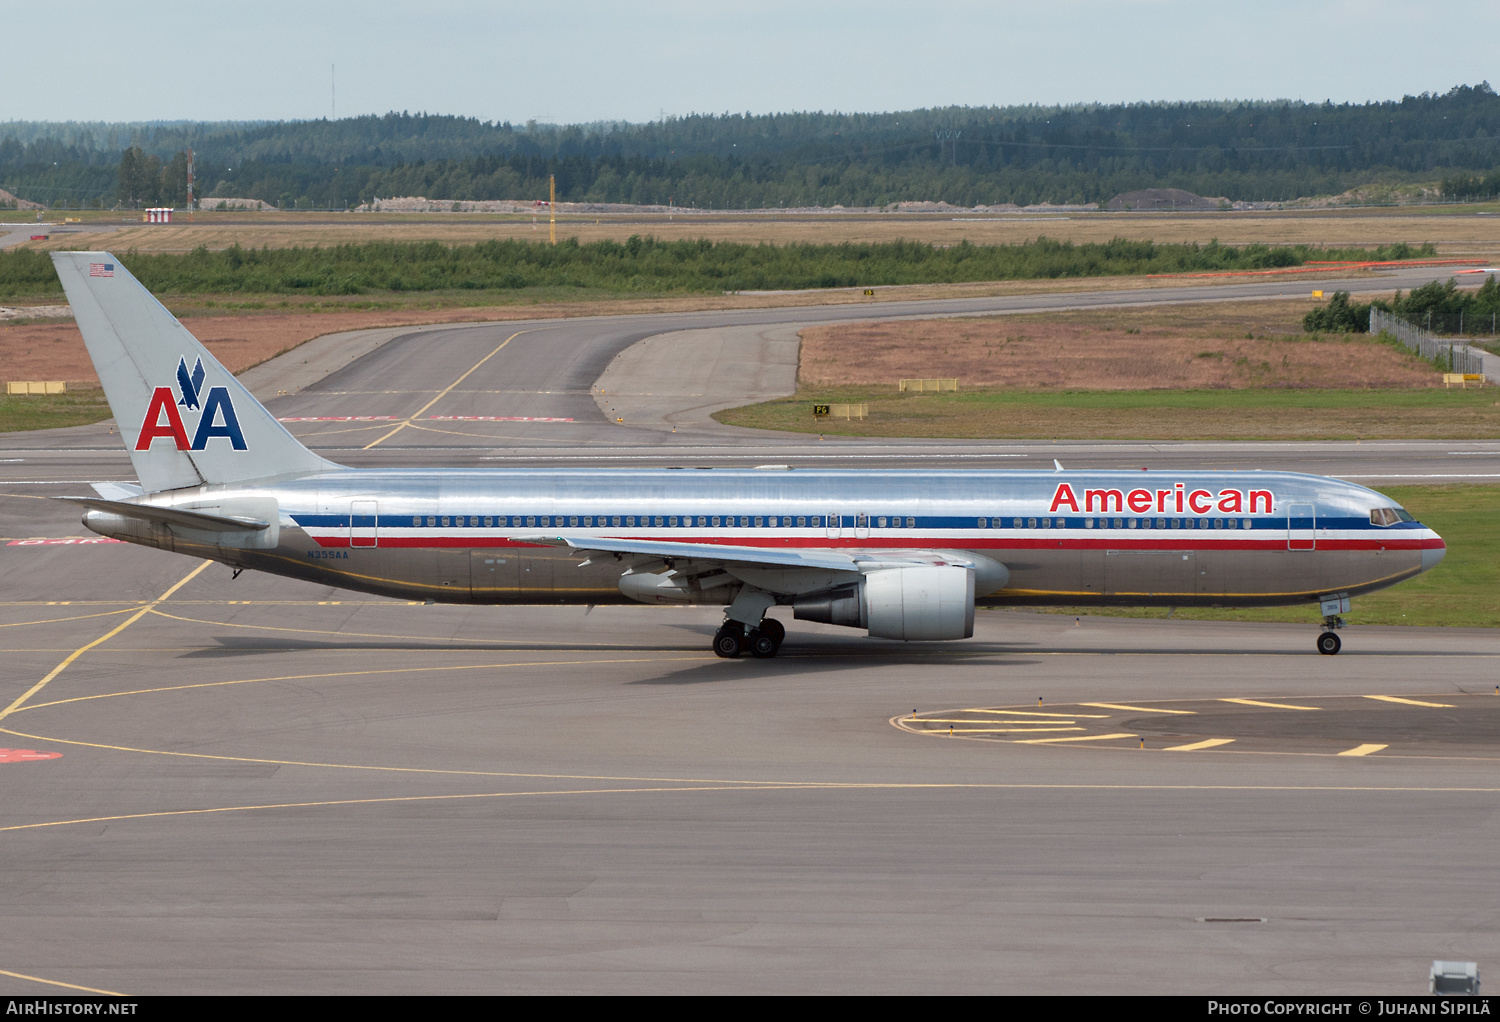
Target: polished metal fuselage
<point>1067,538</point>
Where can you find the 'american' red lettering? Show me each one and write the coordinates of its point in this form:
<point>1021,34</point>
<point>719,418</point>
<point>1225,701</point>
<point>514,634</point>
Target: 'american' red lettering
<point>1229,502</point>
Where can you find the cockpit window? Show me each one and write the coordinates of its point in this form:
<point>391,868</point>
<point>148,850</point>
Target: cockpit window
<point>1389,516</point>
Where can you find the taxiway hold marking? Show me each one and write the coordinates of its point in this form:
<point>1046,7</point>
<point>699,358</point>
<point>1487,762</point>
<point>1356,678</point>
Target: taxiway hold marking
<point>1138,709</point>
<point>132,619</point>
<point>1411,702</point>
<point>1274,706</point>
<point>1363,750</point>
<point>1206,744</point>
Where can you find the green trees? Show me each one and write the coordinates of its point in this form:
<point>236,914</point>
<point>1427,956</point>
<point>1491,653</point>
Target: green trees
<point>1438,306</point>
<point>1339,316</point>
<point>1444,309</point>
<point>145,181</point>
<point>986,155</point>
<point>1472,186</point>
<point>643,265</point>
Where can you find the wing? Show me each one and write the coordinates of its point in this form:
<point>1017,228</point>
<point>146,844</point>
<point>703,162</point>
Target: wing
<point>705,565</point>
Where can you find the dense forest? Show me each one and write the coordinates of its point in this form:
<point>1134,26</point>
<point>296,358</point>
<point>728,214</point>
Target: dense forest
<point>1265,151</point>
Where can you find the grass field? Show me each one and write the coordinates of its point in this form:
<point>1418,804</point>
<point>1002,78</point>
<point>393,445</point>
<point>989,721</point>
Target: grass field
<point>75,408</point>
<point>1456,230</point>
<point>1138,415</point>
<point>1464,590</point>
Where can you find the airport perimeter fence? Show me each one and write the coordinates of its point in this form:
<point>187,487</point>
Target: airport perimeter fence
<point>1452,356</point>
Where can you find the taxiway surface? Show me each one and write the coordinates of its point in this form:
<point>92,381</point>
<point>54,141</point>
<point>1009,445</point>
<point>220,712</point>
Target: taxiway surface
<point>256,785</point>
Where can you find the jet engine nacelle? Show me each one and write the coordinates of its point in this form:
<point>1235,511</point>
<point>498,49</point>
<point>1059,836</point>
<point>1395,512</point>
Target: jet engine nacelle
<point>919,602</point>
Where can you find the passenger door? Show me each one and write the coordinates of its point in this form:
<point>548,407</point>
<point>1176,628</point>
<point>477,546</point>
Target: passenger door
<point>364,523</point>
<point>1301,526</point>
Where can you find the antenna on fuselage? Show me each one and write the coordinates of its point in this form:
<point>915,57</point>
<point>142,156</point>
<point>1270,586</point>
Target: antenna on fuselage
<point>1058,464</point>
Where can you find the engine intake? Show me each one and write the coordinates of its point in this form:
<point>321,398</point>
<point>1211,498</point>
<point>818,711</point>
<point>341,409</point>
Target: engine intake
<point>921,602</point>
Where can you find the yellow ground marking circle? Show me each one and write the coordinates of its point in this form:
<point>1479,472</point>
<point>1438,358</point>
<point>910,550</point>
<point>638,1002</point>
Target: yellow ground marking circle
<point>951,724</point>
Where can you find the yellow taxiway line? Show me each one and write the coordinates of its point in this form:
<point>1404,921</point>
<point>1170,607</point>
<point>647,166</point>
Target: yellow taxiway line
<point>1138,709</point>
<point>1080,738</point>
<point>132,619</point>
<point>59,983</point>
<point>444,392</point>
<point>1411,702</point>
<point>1206,744</point>
<point>1274,706</point>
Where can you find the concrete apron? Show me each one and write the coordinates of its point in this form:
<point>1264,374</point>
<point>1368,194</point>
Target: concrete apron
<point>676,381</point>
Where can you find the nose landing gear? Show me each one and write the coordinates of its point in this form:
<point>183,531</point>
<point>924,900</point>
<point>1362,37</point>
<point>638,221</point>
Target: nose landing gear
<point>1332,606</point>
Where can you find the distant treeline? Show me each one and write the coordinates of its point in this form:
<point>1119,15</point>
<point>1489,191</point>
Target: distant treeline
<point>1472,186</point>
<point>965,155</point>
<point>1438,306</point>
<point>645,265</point>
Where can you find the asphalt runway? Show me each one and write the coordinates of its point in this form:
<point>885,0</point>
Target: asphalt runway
<point>261,786</point>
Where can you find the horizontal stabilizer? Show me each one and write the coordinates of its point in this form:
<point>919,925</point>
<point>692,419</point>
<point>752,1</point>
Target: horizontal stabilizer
<point>170,515</point>
<point>117,491</point>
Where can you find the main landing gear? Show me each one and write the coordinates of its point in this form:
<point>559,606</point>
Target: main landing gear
<point>731,640</point>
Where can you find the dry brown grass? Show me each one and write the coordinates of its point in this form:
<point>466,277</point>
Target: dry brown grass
<point>1246,414</point>
<point>1211,371</point>
<point>1196,347</point>
<point>55,351</point>
<point>1454,234</point>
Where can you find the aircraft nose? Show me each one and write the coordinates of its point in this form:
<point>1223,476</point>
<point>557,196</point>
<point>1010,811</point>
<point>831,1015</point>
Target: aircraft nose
<point>1433,554</point>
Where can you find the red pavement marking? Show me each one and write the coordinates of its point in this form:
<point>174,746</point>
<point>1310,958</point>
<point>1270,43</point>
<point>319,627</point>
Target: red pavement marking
<point>26,755</point>
<point>433,418</point>
<point>64,541</point>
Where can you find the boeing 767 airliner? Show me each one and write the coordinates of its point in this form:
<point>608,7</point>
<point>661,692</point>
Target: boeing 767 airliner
<point>901,554</point>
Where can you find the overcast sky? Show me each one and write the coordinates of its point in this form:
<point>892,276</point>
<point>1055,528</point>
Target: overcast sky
<point>586,60</point>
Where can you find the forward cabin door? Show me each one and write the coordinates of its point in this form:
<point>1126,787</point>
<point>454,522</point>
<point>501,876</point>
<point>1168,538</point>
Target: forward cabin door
<point>1301,523</point>
<point>364,523</point>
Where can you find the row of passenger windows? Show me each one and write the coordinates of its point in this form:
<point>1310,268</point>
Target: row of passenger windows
<point>803,522</point>
<point>1117,523</point>
<point>629,521</point>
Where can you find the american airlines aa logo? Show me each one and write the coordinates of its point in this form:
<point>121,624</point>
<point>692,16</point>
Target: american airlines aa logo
<point>216,416</point>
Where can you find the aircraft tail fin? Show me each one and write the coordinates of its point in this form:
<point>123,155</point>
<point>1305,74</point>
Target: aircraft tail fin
<point>184,418</point>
